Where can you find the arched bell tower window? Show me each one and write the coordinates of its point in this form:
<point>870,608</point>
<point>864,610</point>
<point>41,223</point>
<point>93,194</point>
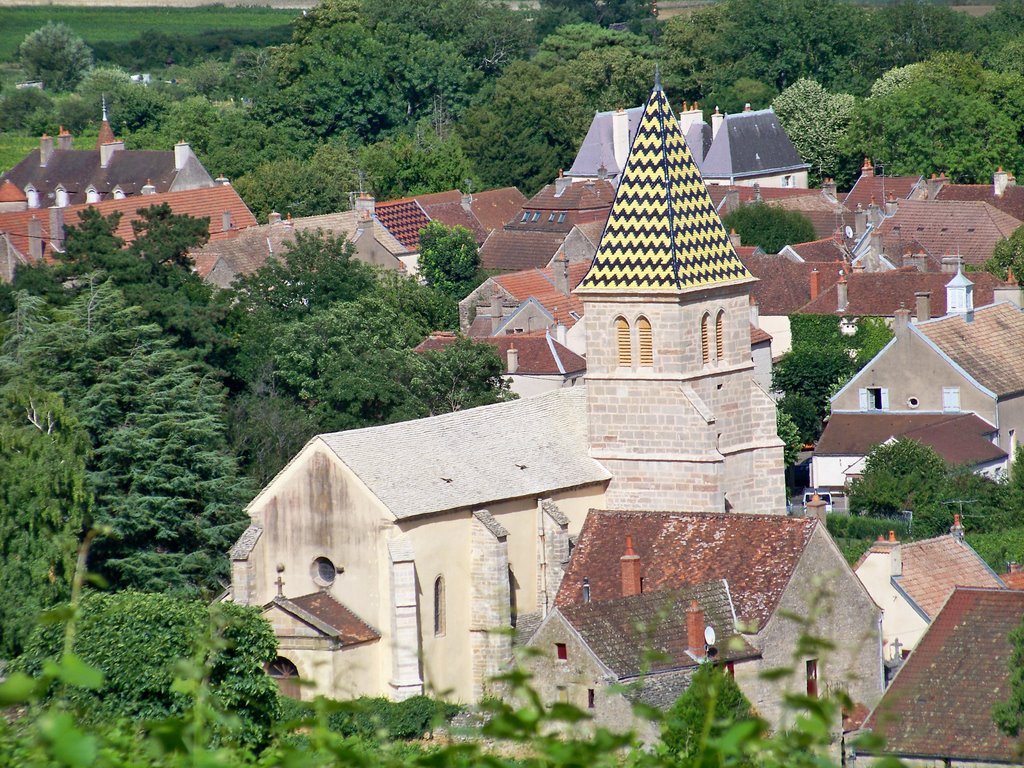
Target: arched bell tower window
<point>624,343</point>
<point>720,335</point>
<point>645,342</point>
<point>439,607</point>
<point>705,338</point>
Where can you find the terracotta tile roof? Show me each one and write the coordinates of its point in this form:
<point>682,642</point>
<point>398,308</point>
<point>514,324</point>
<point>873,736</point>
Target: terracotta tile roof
<point>539,355</point>
<point>880,294</point>
<point>481,214</point>
<point>827,250</point>
<point>349,628</point>
<point>1011,201</point>
<point>756,554</point>
<point>511,251</point>
<point>1013,579</point>
<point>939,705</point>
<point>985,346</point>
<point>946,228</point>
<point>589,195</point>
<point>933,568</point>
<point>758,336</point>
<point>10,193</point>
<point>451,213</point>
<point>784,286</point>
<point>878,188</point>
<point>540,285</point>
<point>826,214</point>
<point>208,202</point>
<point>647,633</point>
<point>494,207</point>
<point>404,219</point>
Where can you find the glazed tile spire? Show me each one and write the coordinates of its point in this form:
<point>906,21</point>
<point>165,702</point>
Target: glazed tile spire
<point>663,233</point>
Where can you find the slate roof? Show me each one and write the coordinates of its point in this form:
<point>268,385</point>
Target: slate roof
<point>756,554</point>
<point>527,447</point>
<point>880,294</point>
<point>539,355</point>
<point>933,568</point>
<point>648,632</point>
<point>984,347</point>
<point>947,228</point>
<point>540,285</point>
<point>403,219</point>
<point>663,232</point>
<point>958,438</point>
<point>511,250</point>
<point>329,616</point>
<point>784,286</point>
<point>598,147</point>
<point>751,143</point>
<point>939,705</point>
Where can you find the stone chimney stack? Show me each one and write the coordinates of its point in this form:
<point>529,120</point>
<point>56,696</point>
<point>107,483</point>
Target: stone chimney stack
<point>365,206</point>
<point>842,294</point>
<point>182,152</point>
<point>934,184</point>
<point>107,151</point>
<point>562,183</point>
<point>957,530</point>
<point>817,508</point>
<point>717,120</point>
<point>226,225</point>
<point>860,221</point>
<point>45,150</point>
<point>496,312</point>
<point>512,358</point>
<point>57,227</point>
<point>689,115</point>
<point>732,199</point>
<point>746,107</point>
<point>815,283</point>
<point>895,555</point>
<point>951,264</point>
<point>867,170</point>
<point>735,238</point>
<point>560,268</point>
<point>629,565</point>
<point>63,139</point>
<point>35,240</point>
<point>755,313</point>
<point>1000,180</point>
<point>890,204</point>
<point>923,305</point>
<point>828,186</point>
<point>901,322</point>
<point>1010,292</point>
<point>274,218</point>
<point>695,629</point>
<point>620,137</point>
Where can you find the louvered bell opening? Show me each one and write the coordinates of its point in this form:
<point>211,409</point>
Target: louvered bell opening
<point>720,335</point>
<point>705,345</point>
<point>624,346</point>
<point>646,343</point>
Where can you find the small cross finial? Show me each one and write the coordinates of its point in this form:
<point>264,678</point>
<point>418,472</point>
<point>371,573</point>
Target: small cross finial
<point>280,585</point>
<point>657,77</point>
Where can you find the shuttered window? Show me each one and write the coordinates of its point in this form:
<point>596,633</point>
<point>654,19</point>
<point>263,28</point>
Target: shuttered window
<point>720,336</point>
<point>646,342</point>
<point>625,345</point>
<point>705,342</point>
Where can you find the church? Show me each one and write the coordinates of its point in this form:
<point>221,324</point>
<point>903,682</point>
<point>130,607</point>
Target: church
<point>385,558</point>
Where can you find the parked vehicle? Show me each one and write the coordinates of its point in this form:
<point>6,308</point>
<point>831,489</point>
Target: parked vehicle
<point>826,496</point>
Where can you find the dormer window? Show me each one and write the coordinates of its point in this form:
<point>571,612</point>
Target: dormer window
<point>33,196</point>
<point>118,193</point>
<point>61,200</point>
<point>92,195</point>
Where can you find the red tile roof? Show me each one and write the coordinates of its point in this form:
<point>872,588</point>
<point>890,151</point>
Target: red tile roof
<point>350,628</point>
<point>511,251</point>
<point>1013,579</point>
<point>878,189</point>
<point>588,195</point>
<point>1011,201</point>
<point>9,193</point>
<point>404,219</point>
<point>784,286</point>
<point>481,213</point>
<point>539,355</point>
<point>540,285</point>
<point>758,336</point>
<point>826,214</point>
<point>939,705</point>
<point>756,554</point>
<point>933,568</point>
<point>827,249</point>
<point>496,206</point>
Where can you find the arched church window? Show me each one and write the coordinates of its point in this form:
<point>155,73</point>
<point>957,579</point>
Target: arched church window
<point>645,341</point>
<point>720,335</point>
<point>624,343</point>
<point>283,672</point>
<point>705,338</point>
<point>439,607</point>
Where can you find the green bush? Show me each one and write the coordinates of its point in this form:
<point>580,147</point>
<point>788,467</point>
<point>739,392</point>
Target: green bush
<point>380,717</point>
<point>683,732</point>
<point>864,527</point>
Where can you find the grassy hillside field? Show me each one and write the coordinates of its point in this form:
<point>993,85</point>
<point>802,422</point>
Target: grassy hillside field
<point>123,24</point>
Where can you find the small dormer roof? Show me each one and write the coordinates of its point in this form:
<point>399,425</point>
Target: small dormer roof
<point>959,280</point>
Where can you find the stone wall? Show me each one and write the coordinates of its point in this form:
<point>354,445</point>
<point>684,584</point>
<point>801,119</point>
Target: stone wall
<point>490,610</point>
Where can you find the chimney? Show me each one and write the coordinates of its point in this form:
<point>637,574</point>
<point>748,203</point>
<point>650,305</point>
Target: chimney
<point>895,555</point>
<point>35,240</point>
<point>957,530</point>
<point>226,222</point>
<point>734,238</point>
<point>695,630</point>
<point>496,310</point>
<point>746,107</point>
<point>755,312</point>
<point>1013,567</point>
<point>1010,291</point>
<point>512,358</point>
<point>57,227</point>
<point>828,186</point>
<point>757,191</point>
<point>815,283</point>
<point>901,323</point>
<point>274,218</point>
<point>732,200</point>
<point>560,267</point>
<point>45,150</point>
<point>816,508</point>
<point>890,204</point>
<point>629,564</point>
<point>842,294</point>
<point>620,138</point>
<point>148,188</point>
<point>875,244</point>
<point>561,333</point>
<point>107,152</point>
<point>562,183</point>
<point>365,206</point>
<point>923,305</point>
<point>466,202</point>
<point>860,221</point>
<point>1000,180</point>
<point>717,119</point>
<point>689,115</point>
<point>867,170</point>
<point>950,264</point>
<point>63,139</point>
<point>182,152</point>
<point>934,184</point>
<point>222,181</point>
<point>918,261</point>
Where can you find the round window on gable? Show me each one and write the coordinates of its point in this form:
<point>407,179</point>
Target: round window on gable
<point>913,402</point>
<point>324,572</point>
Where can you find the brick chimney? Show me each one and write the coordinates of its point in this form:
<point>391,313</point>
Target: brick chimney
<point>695,629</point>
<point>717,120</point>
<point>512,358</point>
<point>45,150</point>
<point>842,294</point>
<point>629,564</point>
<point>57,227</point>
<point>63,139</point>
<point>923,305</point>
<point>620,137</point>
<point>815,283</point>
<point>867,170</point>
<point>35,240</point>
<point>746,107</point>
<point>1000,180</point>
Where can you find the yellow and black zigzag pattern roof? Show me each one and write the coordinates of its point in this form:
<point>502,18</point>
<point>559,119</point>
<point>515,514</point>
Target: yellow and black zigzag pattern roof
<point>663,232</point>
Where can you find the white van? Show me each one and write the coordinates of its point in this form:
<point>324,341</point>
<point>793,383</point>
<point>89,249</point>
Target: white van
<point>825,496</point>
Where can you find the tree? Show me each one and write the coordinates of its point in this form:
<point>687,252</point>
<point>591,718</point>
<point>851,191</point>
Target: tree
<point>407,165</point>
<point>55,55</point>
<point>449,258</point>
<point>810,371</point>
<point>899,475</point>
<point>463,375</point>
<point>1009,715</point>
<point>310,187</point>
<point>817,121</point>
<point>712,696</point>
<point>769,226</point>
<point>1008,254</point>
<point>790,435</point>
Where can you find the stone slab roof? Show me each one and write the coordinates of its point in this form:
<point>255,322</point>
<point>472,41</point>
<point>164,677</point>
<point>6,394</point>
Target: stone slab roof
<point>939,705</point>
<point>246,543</point>
<point>756,554</point>
<point>526,447</point>
<point>648,632</point>
<point>933,568</point>
<point>751,143</point>
<point>539,355</point>
<point>329,616</point>
<point>985,346</point>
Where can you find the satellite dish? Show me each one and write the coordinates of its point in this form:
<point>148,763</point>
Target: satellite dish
<point>848,231</point>
<point>709,635</point>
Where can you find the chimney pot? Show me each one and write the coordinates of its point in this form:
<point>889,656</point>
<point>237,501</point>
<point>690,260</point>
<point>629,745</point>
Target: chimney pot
<point>512,359</point>
<point>867,170</point>
<point>629,565</point>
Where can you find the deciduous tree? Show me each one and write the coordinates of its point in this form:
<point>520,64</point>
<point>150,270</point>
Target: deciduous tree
<point>449,258</point>
<point>55,55</point>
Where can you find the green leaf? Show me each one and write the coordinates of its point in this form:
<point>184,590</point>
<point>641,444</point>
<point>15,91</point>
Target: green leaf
<point>16,689</point>
<point>73,671</point>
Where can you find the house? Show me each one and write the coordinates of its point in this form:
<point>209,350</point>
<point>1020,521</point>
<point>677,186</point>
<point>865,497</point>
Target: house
<point>938,709</point>
<point>961,439</point>
<point>1003,193</point>
<point>603,656</point>
<point>534,363</point>
<point>479,212</point>
<point>56,174</point>
<point>961,363</point>
<point>772,568</point>
<point>437,532</point>
<point>871,188</point>
<point>911,581</point>
<point>30,236</point>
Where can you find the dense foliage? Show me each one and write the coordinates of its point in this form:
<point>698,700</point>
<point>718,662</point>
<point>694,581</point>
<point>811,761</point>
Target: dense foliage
<point>710,706</point>
<point>769,226</point>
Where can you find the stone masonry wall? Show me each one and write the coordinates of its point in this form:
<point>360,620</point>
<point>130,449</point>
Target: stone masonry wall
<point>490,612</point>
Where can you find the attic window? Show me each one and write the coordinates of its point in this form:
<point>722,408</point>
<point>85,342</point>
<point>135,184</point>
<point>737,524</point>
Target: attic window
<point>536,216</point>
<point>551,217</point>
<point>561,217</point>
<point>969,229</point>
<point>526,216</point>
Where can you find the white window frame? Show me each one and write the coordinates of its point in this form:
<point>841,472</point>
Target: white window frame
<point>951,399</point>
